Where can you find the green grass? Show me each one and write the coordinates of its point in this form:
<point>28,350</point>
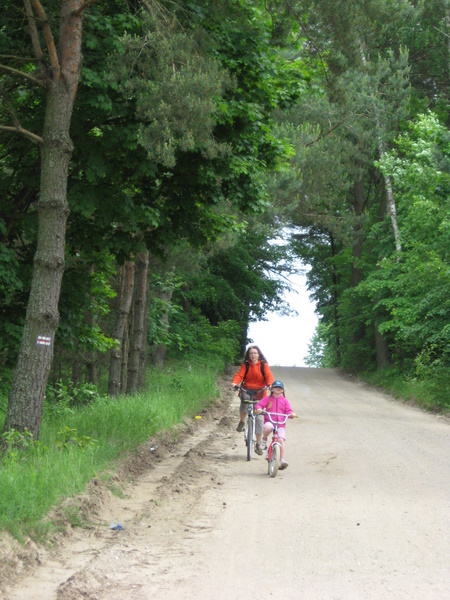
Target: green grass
<point>431,393</point>
<point>76,445</point>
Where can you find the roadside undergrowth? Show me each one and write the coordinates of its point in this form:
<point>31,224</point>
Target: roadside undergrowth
<point>431,394</point>
<point>79,444</point>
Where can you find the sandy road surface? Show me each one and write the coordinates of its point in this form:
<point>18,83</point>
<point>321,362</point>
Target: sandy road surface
<point>362,512</point>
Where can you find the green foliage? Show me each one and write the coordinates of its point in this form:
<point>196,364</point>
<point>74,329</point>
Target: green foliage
<point>195,334</point>
<point>86,290</point>
<point>63,397</point>
<point>242,281</point>
<point>426,387</point>
<point>321,349</point>
<point>10,283</point>
<point>69,437</point>
<point>174,139</point>
<point>17,446</point>
<point>175,88</point>
<point>417,288</point>
<point>107,429</point>
<point>433,374</point>
<point>173,136</point>
<point>365,290</point>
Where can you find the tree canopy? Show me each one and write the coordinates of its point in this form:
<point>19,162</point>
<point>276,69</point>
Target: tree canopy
<point>188,135</point>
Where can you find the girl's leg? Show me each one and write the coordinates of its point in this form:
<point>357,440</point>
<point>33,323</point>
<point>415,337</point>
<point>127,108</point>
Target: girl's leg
<point>268,428</point>
<point>282,436</point>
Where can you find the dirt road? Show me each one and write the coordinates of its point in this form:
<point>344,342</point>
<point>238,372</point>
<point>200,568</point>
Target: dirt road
<point>362,512</point>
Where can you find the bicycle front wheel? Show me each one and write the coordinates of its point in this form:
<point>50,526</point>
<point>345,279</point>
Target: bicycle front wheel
<point>274,462</point>
<point>249,438</point>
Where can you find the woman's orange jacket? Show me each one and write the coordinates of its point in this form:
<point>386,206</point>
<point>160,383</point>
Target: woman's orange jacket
<point>254,379</point>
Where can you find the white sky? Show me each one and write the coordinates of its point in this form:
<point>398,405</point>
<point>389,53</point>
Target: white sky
<point>284,340</point>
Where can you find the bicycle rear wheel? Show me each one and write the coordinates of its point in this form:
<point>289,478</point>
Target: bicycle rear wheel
<point>249,438</point>
<point>274,461</point>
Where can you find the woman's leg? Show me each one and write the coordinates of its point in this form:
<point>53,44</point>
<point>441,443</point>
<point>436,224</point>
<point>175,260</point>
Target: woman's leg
<point>259,428</point>
<point>242,413</point>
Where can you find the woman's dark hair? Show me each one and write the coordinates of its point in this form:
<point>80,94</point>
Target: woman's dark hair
<point>261,355</point>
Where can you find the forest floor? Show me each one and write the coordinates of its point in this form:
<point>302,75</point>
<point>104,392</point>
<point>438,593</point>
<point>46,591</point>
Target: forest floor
<point>362,512</point>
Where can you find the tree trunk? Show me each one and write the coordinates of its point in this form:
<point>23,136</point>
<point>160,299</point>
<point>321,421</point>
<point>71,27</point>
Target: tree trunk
<point>57,365</point>
<point>357,273</point>
<point>143,359</point>
<point>126,294</point>
<point>90,355</point>
<point>92,370</point>
<point>382,349</point>
<point>358,204</point>
<point>36,351</point>
<point>159,355</point>
<point>137,333</point>
<point>391,207</point>
<point>335,280</point>
<point>77,371</point>
<point>124,351</point>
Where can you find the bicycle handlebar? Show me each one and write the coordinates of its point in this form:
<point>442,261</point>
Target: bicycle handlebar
<point>286,417</point>
<point>250,392</point>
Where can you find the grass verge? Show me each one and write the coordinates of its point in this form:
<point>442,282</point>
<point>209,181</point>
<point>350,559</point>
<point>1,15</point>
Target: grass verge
<point>431,393</point>
<point>76,445</point>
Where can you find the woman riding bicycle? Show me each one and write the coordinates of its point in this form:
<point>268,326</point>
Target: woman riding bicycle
<point>279,405</point>
<point>254,374</point>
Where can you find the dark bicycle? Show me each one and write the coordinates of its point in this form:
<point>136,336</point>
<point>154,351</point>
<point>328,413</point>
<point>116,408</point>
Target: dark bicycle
<point>250,397</point>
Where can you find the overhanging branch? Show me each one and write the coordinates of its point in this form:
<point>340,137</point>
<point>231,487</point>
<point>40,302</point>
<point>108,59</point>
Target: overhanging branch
<point>31,136</point>
<point>325,133</point>
<point>21,58</point>
<point>22,74</point>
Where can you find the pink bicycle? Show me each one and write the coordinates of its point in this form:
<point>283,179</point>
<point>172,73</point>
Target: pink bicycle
<point>274,449</point>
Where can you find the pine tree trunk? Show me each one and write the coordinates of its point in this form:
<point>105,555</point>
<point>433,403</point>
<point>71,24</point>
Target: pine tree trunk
<point>335,279</point>
<point>91,355</point>
<point>36,351</point>
<point>77,371</point>
<point>92,369</point>
<point>123,310</point>
<point>382,349</point>
<point>137,333</point>
<point>391,207</point>
<point>357,274</point>
<point>124,352</point>
<point>143,361</point>
<point>57,364</point>
<point>358,204</point>
<point>159,355</point>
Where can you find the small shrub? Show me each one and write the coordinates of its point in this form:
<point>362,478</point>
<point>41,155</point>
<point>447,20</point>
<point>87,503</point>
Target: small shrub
<point>19,445</point>
<point>69,437</point>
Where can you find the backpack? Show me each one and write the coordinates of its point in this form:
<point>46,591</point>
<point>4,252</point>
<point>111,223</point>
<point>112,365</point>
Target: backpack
<point>247,366</point>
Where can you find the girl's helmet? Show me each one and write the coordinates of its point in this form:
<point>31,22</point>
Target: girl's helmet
<point>277,383</point>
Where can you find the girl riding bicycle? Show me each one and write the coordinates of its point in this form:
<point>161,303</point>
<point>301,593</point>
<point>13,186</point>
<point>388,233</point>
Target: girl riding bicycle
<point>276,403</point>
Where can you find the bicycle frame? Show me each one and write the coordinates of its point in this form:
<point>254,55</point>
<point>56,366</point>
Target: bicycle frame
<point>250,425</point>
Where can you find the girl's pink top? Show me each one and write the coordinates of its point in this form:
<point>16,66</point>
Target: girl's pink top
<point>279,405</point>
